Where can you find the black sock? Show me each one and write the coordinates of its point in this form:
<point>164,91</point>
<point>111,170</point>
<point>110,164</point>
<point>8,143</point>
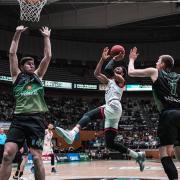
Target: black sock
<point>52,159</point>
<point>16,173</point>
<point>21,173</point>
<point>169,168</point>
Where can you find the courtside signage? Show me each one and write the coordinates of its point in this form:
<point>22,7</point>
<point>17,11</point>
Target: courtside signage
<point>57,84</point>
<point>85,86</point>
<point>5,78</point>
<point>68,85</point>
<point>138,87</point>
<point>51,84</point>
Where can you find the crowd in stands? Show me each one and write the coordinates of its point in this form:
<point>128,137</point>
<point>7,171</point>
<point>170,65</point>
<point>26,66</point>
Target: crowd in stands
<point>137,127</point>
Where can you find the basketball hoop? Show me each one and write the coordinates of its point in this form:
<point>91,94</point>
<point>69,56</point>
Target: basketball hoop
<point>30,9</point>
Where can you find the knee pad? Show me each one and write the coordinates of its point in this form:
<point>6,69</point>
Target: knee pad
<point>93,114</point>
<point>110,144</point>
<point>87,117</point>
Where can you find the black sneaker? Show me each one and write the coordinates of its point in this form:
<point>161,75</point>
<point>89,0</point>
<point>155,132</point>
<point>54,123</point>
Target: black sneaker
<point>53,170</point>
<point>140,160</point>
<point>32,169</point>
<point>15,177</point>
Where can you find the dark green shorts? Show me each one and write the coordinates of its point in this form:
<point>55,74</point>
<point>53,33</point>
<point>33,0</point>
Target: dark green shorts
<point>30,127</point>
<point>169,127</point>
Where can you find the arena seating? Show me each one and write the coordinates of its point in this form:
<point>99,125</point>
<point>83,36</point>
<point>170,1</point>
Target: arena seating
<point>137,127</point>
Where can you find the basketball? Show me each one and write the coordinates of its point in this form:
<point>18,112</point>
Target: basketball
<point>116,49</point>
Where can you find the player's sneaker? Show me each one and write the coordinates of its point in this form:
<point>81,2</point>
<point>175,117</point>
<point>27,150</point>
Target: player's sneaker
<point>15,177</point>
<point>140,160</point>
<point>22,178</point>
<point>66,135</point>
<point>53,170</point>
<point>32,170</point>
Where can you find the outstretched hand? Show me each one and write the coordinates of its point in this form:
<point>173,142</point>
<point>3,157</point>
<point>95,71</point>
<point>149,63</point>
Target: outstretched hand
<point>105,54</point>
<point>133,54</point>
<point>21,28</point>
<point>45,31</point>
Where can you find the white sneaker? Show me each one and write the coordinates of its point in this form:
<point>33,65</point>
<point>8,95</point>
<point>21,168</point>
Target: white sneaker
<point>66,135</point>
<point>22,178</point>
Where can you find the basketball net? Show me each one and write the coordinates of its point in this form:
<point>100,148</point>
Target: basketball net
<point>30,11</point>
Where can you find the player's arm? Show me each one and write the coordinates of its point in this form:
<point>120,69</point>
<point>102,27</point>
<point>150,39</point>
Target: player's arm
<point>147,72</point>
<point>41,70</point>
<point>109,68</point>
<point>13,60</point>
<point>46,131</point>
<point>52,145</point>
<point>97,73</point>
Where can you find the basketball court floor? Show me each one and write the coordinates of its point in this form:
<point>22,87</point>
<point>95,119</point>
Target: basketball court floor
<point>103,170</point>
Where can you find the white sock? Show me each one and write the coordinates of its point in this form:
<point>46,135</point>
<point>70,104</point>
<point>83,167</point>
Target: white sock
<point>133,154</point>
<point>75,131</point>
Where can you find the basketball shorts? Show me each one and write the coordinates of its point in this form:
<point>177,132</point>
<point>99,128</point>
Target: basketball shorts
<point>47,149</point>
<point>169,127</point>
<point>30,127</point>
<point>112,114</point>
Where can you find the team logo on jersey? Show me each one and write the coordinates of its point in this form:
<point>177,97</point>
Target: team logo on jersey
<point>29,87</point>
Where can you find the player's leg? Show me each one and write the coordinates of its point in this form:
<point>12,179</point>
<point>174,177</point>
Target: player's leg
<point>53,169</point>
<point>167,162</point>
<point>15,138</point>
<point>111,143</point>
<point>24,158</point>
<point>69,136</point>
<point>8,156</point>
<point>38,164</point>
<point>19,160</point>
<point>177,143</point>
<point>23,164</point>
<point>35,134</point>
<point>112,117</point>
<point>167,134</point>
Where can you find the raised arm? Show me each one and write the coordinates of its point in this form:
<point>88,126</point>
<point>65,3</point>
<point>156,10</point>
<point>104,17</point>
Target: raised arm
<point>97,73</point>
<point>13,60</point>
<point>147,72</point>
<point>41,70</point>
<point>109,68</point>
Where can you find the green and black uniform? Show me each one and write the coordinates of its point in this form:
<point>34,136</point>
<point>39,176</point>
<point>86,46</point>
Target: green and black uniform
<point>28,122</point>
<point>166,91</point>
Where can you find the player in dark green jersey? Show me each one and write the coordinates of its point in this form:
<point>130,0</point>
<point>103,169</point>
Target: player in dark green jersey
<point>28,121</point>
<point>166,91</point>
